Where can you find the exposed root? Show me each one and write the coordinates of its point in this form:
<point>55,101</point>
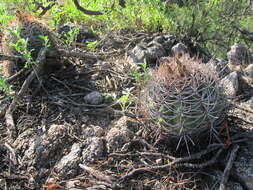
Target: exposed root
<point>41,60</point>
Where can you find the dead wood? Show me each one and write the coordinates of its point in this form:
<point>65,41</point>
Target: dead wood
<point>177,163</point>
<point>99,175</point>
<point>70,53</point>
<point>11,58</point>
<point>16,75</point>
<point>13,155</point>
<point>85,11</point>
<point>40,62</point>
<point>228,168</point>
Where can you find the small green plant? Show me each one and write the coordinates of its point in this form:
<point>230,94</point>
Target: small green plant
<point>21,46</point>
<point>142,76</point>
<point>91,45</point>
<point>124,101</point>
<point>47,43</point>
<point>71,36</point>
<point>5,87</point>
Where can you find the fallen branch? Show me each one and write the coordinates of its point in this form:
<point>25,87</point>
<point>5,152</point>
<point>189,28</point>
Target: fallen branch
<point>13,156</point>
<point>85,11</point>
<point>40,62</point>
<point>176,163</point>
<point>149,154</point>
<point>69,53</point>
<point>53,54</point>
<point>97,174</point>
<point>11,58</point>
<point>16,75</point>
<point>228,168</point>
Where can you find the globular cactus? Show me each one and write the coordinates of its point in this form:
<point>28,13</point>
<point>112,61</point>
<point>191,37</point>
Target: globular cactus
<point>183,96</point>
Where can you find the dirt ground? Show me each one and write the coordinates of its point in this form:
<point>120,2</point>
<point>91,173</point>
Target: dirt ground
<point>68,140</point>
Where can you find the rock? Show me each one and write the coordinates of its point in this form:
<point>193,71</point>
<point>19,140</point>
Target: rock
<point>154,52</point>
<point>230,84</point>
<point>250,102</point>
<point>249,71</point>
<point>93,131</point>
<point>73,185</point>
<point>94,98</point>
<point>126,122</point>
<point>238,57</point>
<point>138,54</point>
<point>244,165</point>
<point>149,51</point>
<point>117,137</point>
<point>24,141</point>
<point>94,149</point>
<point>234,186</point>
<point>2,183</point>
<point>46,149</point>
<point>67,167</point>
<point>179,49</point>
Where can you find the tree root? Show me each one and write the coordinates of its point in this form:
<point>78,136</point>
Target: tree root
<point>40,62</point>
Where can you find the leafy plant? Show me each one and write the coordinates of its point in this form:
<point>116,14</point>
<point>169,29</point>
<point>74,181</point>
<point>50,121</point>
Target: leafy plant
<point>142,76</point>
<point>72,35</point>
<point>21,46</point>
<point>124,101</point>
<point>5,87</point>
<point>46,40</point>
<point>91,45</point>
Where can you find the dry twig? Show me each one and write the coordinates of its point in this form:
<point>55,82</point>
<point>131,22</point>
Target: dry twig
<point>228,168</point>
<point>41,60</point>
<point>177,162</point>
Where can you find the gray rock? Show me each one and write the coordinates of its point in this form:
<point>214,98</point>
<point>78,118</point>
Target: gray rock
<point>67,167</point>
<point>138,54</point>
<point>244,165</point>
<point>155,51</point>
<point>249,71</point>
<point>73,185</point>
<point>93,131</point>
<point>150,50</point>
<point>94,149</point>
<point>94,98</point>
<point>45,149</point>
<point>250,102</point>
<point>230,84</point>
<point>238,57</point>
<point>179,49</point>
<point>117,137</point>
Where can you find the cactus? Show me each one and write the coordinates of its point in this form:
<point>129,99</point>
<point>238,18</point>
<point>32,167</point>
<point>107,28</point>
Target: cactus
<point>184,96</point>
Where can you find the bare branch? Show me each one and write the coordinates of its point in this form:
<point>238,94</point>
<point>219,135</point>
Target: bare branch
<point>85,11</point>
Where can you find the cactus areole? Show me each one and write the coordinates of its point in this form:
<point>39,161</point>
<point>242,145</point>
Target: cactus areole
<point>183,96</point>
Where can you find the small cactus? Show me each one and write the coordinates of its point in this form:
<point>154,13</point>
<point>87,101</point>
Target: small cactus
<point>184,97</point>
